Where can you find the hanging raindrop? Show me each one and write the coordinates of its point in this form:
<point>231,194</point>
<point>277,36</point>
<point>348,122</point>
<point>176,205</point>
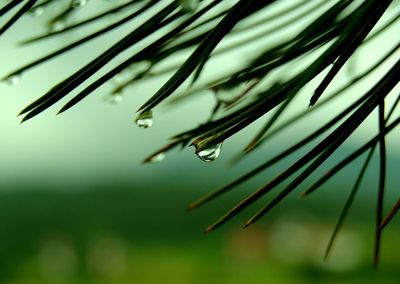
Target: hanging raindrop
<point>13,79</point>
<point>209,154</point>
<point>145,119</point>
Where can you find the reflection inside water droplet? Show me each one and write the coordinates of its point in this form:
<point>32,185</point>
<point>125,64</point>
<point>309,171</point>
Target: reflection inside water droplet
<point>145,119</point>
<point>210,154</point>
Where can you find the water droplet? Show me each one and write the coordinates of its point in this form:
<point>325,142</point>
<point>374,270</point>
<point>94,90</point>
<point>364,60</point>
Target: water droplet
<point>79,3</point>
<point>13,79</point>
<point>37,11</point>
<point>157,158</point>
<point>209,154</point>
<point>114,99</point>
<point>57,25</point>
<point>145,119</point>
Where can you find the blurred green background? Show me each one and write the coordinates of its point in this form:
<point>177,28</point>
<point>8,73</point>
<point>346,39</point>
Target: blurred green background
<point>76,205</point>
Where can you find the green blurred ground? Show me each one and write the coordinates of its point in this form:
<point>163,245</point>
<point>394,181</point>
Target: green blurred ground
<point>126,235</point>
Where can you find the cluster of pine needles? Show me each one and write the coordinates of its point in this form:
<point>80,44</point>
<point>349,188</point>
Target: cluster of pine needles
<point>334,32</point>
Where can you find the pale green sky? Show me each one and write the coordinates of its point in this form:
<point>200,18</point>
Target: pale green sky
<point>96,139</point>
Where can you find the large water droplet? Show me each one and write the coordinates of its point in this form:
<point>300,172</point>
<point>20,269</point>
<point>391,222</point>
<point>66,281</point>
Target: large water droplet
<point>209,154</point>
<point>13,79</point>
<point>145,119</point>
<point>157,158</point>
